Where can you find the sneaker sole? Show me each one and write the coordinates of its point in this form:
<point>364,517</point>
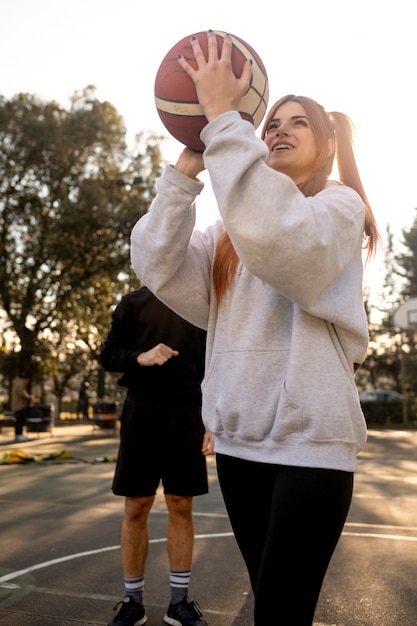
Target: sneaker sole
<point>171,621</point>
<point>139,622</point>
<point>174,622</point>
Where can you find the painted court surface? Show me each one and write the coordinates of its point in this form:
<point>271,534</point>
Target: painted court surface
<point>59,530</point>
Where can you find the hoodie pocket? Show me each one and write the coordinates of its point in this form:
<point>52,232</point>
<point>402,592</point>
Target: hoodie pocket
<point>242,391</point>
<point>288,418</point>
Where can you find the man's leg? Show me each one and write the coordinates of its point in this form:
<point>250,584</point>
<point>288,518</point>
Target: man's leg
<point>134,542</point>
<point>180,532</point>
<point>134,539</point>
<point>180,544</point>
<point>182,610</point>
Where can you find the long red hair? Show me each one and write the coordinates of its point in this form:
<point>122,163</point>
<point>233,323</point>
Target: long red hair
<point>336,126</point>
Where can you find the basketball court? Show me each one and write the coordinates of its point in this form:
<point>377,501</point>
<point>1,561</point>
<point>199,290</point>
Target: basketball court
<point>60,560</point>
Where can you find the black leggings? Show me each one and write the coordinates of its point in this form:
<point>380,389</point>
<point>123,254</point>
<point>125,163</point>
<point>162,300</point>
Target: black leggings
<point>287,522</point>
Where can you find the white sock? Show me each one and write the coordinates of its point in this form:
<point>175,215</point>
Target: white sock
<point>179,582</point>
<point>134,588</point>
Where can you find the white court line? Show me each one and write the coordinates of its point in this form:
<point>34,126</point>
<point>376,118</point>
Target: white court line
<point>77,555</point>
<point>396,527</point>
<point>380,536</point>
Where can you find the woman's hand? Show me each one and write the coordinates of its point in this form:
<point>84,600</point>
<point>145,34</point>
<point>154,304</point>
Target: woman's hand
<point>190,163</point>
<point>218,89</point>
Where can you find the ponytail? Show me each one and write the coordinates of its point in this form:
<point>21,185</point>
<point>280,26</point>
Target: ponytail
<point>349,175</point>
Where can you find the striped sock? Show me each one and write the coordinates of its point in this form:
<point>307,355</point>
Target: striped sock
<point>179,582</point>
<point>134,588</point>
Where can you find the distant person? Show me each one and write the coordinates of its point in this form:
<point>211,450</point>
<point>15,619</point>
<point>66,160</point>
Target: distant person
<point>277,283</point>
<point>21,400</point>
<point>83,403</point>
<point>162,438</point>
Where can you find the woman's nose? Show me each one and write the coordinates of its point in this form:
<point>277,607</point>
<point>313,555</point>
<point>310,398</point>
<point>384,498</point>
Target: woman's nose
<point>283,129</point>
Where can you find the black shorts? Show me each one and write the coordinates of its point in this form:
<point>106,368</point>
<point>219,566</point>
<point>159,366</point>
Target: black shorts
<point>160,443</point>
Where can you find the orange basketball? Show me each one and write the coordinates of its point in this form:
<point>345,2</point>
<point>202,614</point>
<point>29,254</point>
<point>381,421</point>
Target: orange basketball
<point>176,98</point>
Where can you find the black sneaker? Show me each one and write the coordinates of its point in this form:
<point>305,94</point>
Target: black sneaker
<point>131,613</point>
<point>184,613</point>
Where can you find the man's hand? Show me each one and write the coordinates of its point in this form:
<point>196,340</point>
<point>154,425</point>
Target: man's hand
<point>208,443</point>
<point>158,355</point>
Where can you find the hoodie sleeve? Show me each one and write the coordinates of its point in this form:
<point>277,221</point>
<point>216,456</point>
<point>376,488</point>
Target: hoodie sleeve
<point>168,255</point>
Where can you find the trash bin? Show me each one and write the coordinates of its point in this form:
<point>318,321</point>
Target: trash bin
<point>105,414</point>
<point>39,418</point>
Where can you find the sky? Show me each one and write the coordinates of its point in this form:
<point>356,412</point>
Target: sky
<point>356,56</point>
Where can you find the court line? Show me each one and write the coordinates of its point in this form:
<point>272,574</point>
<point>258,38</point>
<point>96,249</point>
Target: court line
<point>381,536</point>
<point>77,555</point>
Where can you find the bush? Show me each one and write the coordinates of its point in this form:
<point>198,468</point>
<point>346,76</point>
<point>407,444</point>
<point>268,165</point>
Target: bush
<point>381,412</point>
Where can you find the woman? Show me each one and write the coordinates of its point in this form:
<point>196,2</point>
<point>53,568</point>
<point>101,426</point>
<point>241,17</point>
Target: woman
<point>277,283</point>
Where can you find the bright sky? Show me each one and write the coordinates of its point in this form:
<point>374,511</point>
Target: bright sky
<point>357,56</point>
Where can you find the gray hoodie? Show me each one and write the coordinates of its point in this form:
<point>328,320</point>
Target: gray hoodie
<point>283,343</point>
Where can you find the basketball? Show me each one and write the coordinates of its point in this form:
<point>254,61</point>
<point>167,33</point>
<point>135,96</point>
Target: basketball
<point>176,98</point>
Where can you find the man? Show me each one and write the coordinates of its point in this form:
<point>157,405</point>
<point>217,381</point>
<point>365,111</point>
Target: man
<point>162,438</point>
<point>20,402</point>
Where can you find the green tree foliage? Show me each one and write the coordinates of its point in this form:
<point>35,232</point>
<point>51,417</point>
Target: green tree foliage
<point>382,365</point>
<point>407,261</point>
<point>392,357</point>
<point>70,193</point>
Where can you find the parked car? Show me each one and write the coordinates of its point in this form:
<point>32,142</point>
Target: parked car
<point>380,395</point>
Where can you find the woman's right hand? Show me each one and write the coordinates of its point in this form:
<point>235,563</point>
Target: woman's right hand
<point>218,89</point>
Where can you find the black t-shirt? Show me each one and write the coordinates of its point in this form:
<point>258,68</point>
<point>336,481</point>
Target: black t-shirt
<point>139,323</point>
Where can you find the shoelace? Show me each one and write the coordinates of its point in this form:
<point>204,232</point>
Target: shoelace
<point>196,608</point>
<point>192,607</point>
<point>129,607</point>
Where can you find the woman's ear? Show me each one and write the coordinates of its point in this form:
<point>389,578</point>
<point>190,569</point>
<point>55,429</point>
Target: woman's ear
<point>331,146</point>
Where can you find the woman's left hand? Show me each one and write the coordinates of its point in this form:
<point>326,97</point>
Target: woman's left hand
<point>217,87</point>
<point>190,163</point>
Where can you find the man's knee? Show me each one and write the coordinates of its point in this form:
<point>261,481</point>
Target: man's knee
<point>138,508</point>
<point>179,505</point>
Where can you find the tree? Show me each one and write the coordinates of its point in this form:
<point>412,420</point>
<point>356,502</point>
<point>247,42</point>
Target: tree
<point>392,356</point>
<point>70,192</point>
<point>381,367</point>
<point>406,261</point>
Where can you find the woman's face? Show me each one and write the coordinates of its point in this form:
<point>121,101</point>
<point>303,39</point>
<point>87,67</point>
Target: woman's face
<point>291,143</point>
